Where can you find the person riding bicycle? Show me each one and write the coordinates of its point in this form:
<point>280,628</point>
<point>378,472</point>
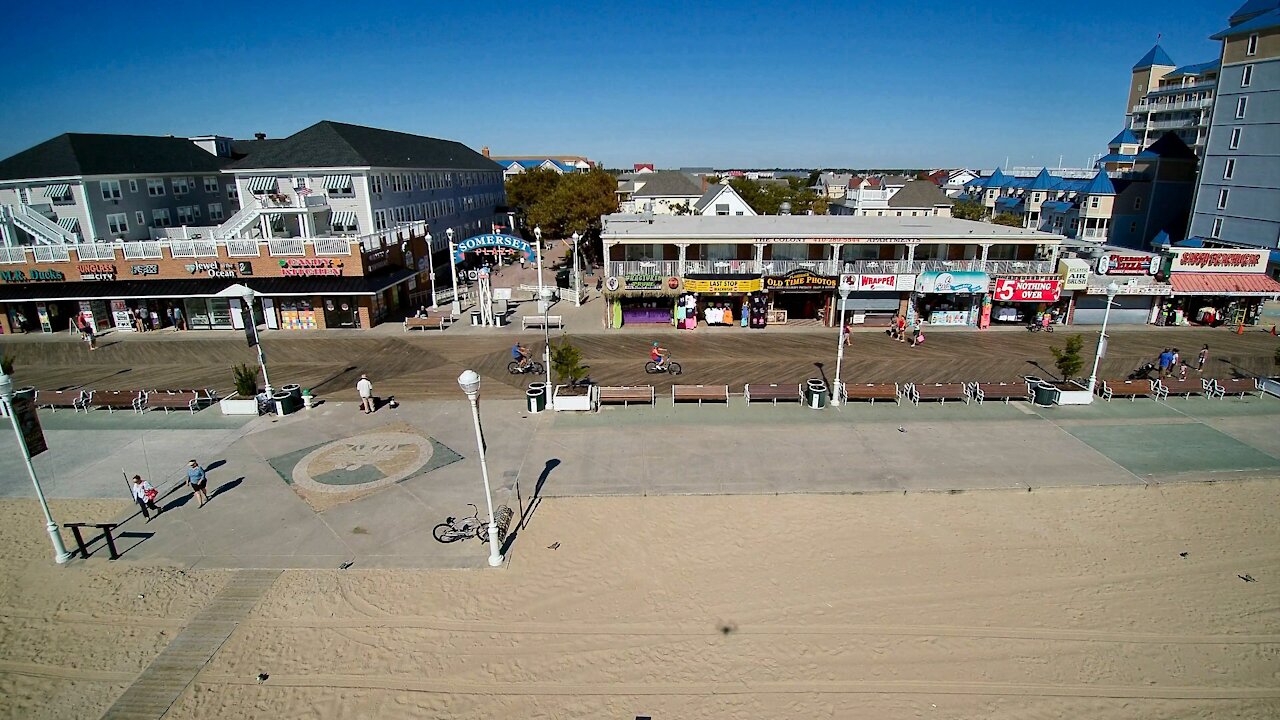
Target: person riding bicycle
<point>658,355</point>
<point>520,354</point>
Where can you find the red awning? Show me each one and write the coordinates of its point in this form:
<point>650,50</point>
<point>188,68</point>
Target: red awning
<point>1242,284</point>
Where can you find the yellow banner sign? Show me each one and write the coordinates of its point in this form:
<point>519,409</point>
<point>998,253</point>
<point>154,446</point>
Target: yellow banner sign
<point>724,286</point>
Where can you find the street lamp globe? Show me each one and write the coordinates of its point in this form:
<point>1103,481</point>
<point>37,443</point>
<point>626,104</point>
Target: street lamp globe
<point>469,381</point>
<point>248,295</point>
<point>1112,290</point>
<point>537,233</point>
<point>449,232</point>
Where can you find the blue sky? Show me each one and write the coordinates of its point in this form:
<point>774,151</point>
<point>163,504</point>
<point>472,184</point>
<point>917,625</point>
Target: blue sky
<point>728,84</point>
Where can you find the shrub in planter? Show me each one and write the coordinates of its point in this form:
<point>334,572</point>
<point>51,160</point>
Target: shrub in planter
<point>1067,358</point>
<point>6,362</point>
<point>246,380</point>
<point>566,361</point>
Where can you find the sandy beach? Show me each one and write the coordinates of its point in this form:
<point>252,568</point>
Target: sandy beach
<point>1072,602</point>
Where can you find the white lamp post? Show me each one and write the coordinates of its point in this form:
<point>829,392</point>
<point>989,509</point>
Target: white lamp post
<point>431,275</point>
<point>469,381</point>
<point>257,342</point>
<point>546,332</point>
<point>835,392</point>
<point>1112,290</point>
<point>577,279</point>
<point>60,554</point>
<point>453,269</point>
<point>542,295</point>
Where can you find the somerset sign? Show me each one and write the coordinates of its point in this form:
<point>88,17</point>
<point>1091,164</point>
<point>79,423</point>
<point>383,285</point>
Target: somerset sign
<point>476,242</point>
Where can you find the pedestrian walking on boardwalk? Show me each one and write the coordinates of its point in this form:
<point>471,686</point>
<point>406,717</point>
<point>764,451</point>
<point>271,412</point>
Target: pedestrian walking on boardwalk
<point>198,480</point>
<point>365,388</point>
<point>1202,359</point>
<point>145,495</point>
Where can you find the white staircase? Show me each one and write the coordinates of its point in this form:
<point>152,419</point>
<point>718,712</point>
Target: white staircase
<point>44,230</point>
<point>244,219</point>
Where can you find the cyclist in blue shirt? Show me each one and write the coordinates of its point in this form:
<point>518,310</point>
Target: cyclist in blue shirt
<point>520,354</point>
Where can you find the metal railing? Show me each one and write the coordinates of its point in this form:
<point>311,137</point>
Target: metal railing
<point>721,267</point>
<point>38,225</point>
<point>1020,267</point>
<point>193,248</point>
<point>643,267</point>
<point>243,248</point>
<point>1175,124</point>
<point>332,246</point>
<point>96,251</point>
<point>782,267</point>
<point>142,250</point>
<point>285,247</point>
<point>876,267</point>
<point>51,253</point>
<point>13,255</point>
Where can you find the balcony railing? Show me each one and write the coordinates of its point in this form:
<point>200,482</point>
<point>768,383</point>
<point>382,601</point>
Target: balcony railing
<point>13,255</point>
<point>830,268</point>
<point>1197,104</point>
<point>96,251</point>
<point>644,267</point>
<point>1020,267</point>
<point>1202,85</point>
<point>243,248</point>
<point>721,267</point>
<point>782,267</point>
<point>332,246</point>
<point>1175,124</point>
<point>193,248</point>
<point>142,250</point>
<point>51,253</point>
<point>285,247</point>
<point>876,267</point>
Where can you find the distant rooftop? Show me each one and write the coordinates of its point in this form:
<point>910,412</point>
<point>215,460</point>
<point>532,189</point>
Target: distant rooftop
<point>736,227</point>
<point>1155,56</point>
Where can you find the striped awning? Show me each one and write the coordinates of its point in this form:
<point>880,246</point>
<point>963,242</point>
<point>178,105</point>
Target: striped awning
<point>343,218</point>
<point>58,191</point>
<point>70,224</point>
<point>261,184</point>
<point>275,217</point>
<point>337,182</point>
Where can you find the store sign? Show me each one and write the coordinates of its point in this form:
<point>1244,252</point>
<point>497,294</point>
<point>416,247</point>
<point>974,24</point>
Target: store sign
<point>1112,264</point>
<point>472,244</point>
<point>1025,290</point>
<point>376,259</point>
<point>800,280</point>
<point>1218,260</point>
<point>1134,289</point>
<point>32,275</point>
<point>945,283</point>
<point>869,283</point>
<point>724,286</point>
<point>1074,273</point>
<point>310,267</point>
<point>145,269</point>
<point>214,269</point>
<point>24,409</point>
<point>643,281</point>
<point>96,271</point>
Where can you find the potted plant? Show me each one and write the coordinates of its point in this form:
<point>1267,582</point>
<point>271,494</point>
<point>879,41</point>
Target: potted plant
<point>1069,363</point>
<point>571,394</point>
<point>245,400</point>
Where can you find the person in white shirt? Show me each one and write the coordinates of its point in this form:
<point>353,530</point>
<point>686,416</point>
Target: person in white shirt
<point>145,495</point>
<point>365,388</point>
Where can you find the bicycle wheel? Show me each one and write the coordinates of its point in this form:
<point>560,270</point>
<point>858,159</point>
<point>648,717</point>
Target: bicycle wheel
<point>444,533</point>
<point>513,367</point>
<point>482,533</point>
<point>675,368</point>
<point>537,368</point>
<point>651,367</point>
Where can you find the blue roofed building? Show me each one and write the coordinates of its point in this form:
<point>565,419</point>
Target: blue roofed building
<point>516,164</point>
<point>1165,97</point>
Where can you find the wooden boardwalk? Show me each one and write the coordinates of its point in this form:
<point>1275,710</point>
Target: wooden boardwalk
<point>426,365</point>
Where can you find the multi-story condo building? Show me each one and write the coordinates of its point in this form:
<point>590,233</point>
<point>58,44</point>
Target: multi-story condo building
<point>914,198</point>
<point>87,187</point>
<point>1238,198</point>
<point>1167,98</point>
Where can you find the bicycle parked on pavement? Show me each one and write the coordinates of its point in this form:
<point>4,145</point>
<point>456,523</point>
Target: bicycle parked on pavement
<point>454,529</point>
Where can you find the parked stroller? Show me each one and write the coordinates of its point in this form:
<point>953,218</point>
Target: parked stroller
<point>1143,372</point>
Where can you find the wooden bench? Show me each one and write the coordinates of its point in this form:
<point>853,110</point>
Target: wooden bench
<point>710,393</point>
<point>871,392</point>
<point>1126,388</point>
<point>170,401</point>
<point>111,400</point>
<point>772,392</point>
<point>942,392</point>
<point>54,399</point>
<point>999,391</point>
<point>625,394</point>
<point>432,322</point>
<point>1185,388</point>
<point>536,321</point>
<point>1235,386</point>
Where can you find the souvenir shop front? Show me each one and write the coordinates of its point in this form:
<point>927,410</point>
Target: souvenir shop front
<point>716,300</point>
<point>800,295</point>
<point>1217,286</point>
<point>641,299</point>
<point>1022,300</point>
<point>874,299</point>
<point>950,298</point>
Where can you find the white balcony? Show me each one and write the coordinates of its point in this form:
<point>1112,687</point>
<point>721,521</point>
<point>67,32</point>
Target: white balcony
<point>782,267</point>
<point>721,267</point>
<point>1175,124</point>
<point>876,267</point>
<point>643,267</point>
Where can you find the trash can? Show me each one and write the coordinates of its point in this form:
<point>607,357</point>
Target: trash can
<point>816,394</point>
<point>1045,395</point>
<point>285,403</point>
<point>536,397</point>
<point>475,317</point>
<point>295,391</point>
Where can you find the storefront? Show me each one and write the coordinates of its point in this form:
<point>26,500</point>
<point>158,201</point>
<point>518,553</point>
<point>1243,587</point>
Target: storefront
<point>1020,300</point>
<point>873,299</point>
<point>800,295</point>
<point>1217,286</point>
<point>949,298</point>
<point>717,300</point>
<point>641,299</point>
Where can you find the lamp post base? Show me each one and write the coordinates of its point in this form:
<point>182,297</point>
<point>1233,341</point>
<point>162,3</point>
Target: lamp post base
<point>60,554</point>
<point>495,558</point>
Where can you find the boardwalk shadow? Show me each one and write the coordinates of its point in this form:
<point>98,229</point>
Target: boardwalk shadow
<point>215,465</point>
<point>526,511</point>
<point>226,487</point>
<point>178,502</point>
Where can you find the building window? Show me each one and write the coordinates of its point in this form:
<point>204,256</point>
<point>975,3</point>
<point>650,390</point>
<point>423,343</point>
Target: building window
<point>1242,104</point>
<point>1093,201</point>
<point>1235,139</point>
<point>155,187</point>
<point>375,183</point>
<point>1137,203</point>
<point>195,211</point>
<point>133,186</point>
<point>211,184</point>
<point>1133,227</point>
<point>117,223</point>
<point>141,218</point>
<point>181,186</point>
<point>215,211</point>
<point>233,193</point>
<point>160,217</point>
<point>1246,76</point>
<point>1252,48</point>
<point>1216,231</point>
<point>1229,170</point>
<point>110,189</point>
<point>379,219</point>
<point>184,215</point>
<point>1223,194</point>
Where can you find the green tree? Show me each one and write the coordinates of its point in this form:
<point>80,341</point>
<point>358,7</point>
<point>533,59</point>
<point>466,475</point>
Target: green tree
<point>1067,358</point>
<point>1008,219</point>
<point>813,178</point>
<point>576,204</point>
<point>566,360</point>
<point>531,187</point>
<point>968,210</point>
<point>682,209</point>
<point>820,205</point>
